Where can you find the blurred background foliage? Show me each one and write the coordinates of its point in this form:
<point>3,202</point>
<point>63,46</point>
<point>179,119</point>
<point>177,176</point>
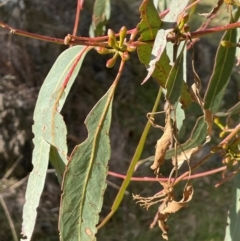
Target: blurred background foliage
<point>24,64</point>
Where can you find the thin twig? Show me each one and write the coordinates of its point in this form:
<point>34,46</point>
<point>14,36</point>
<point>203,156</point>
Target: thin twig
<point>19,183</point>
<point>193,169</point>
<point>10,222</point>
<point>227,178</point>
<point>184,176</point>
<point>79,8</point>
<point>31,35</point>
<point>231,135</point>
<point>94,41</point>
<point>8,173</point>
<point>111,184</point>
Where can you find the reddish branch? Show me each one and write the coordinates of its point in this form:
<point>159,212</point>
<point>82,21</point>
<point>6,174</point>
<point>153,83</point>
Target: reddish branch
<point>79,8</point>
<point>154,179</point>
<point>101,41</point>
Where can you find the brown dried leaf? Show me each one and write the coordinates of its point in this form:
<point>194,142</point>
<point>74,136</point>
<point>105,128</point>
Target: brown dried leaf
<point>162,225</point>
<point>173,207</point>
<point>186,155</point>
<point>195,94</point>
<point>163,144</point>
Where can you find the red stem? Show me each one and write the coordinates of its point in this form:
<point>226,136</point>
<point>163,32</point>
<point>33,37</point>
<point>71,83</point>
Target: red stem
<point>154,179</point>
<point>79,8</point>
<point>94,41</point>
<point>227,178</point>
<point>201,33</point>
<point>31,35</point>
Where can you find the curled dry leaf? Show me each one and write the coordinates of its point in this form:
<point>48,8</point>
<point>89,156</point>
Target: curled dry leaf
<point>162,197</point>
<point>185,155</point>
<point>163,144</point>
<point>173,207</point>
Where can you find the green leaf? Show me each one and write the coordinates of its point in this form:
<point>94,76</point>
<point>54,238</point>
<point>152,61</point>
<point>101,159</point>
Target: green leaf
<point>224,62</point>
<point>150,22</point>
<point>55,133</point>
<point>85,177</point>
<point>179,114</point>
<point>175,81</point>
<point>175,9</point>
<point>157,51</point>
<point>44,110</point>
<point>162,71</point>
<point>233,220</point>
<point>148,28</point>
<point>101,14</point>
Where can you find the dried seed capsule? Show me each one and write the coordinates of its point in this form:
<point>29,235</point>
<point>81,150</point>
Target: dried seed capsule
<point>122,35</point>
<point>112,41</point>
<point>125,56</point>
<point>103,50</point>
<point>183,20</point>
<point>185,17</point>
<point>110,63</point>
<point>226,160</point>
<point>131,48</point>
<point>225,146</point>
<point>222,134</point>
<point>67,39</point>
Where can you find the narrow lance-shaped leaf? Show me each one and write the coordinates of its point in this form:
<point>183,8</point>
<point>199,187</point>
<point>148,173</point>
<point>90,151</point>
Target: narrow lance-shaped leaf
<point>175,81</point>
<point>179,113</point>
<point>101,14</point>
<point>175,8</point>
<point>41,150</point>
<point>233,220</point>
<point>223,65</point>
<point>85,177</point>
<point>148,29</point>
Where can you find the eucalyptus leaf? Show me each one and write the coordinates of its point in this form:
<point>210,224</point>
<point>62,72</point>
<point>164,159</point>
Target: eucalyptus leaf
<point>41,152</point>
<point>85,177</point>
